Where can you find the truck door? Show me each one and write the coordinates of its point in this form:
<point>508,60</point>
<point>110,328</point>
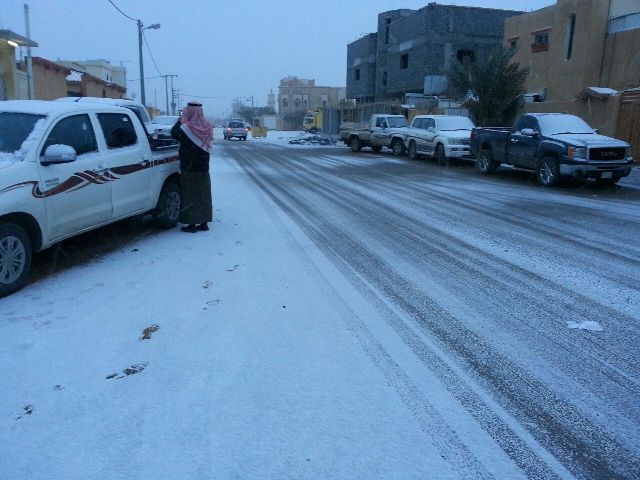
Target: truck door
<point>77,194</point>
<point>521,148</point>
<point>128,160</point>
<point>379,135</point>
<point>430,135</point>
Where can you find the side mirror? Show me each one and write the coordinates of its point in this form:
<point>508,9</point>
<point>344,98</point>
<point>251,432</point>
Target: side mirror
<point>528,132</point>
<point>596,130</point>
<point>58,154</point>
<point>431,129</point>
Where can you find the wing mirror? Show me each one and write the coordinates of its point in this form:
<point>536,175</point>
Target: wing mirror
<point>527,132</point>
<point>431,129</point>
<point>58,154</point>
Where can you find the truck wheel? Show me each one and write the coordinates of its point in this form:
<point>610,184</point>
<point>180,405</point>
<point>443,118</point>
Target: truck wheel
<point>168,209</point>
<point>376,148</point>
<point>15,258</point>
<point>355,144</point>
<point>485,162</point>
<point>441,156</point>
<point>413,150</point>
<point>398,147</point>
<point>548,173</point>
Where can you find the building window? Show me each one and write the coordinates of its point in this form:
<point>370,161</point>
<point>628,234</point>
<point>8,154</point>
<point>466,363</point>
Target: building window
<point>386,31</point>
<point>296,103</point>
<point>384,78</point>
<point>570,31</point>
<point>466,56</point>
<point>404,61</point>
<point>285,103</point>
<point>357,74</point>
<point>540,41</point>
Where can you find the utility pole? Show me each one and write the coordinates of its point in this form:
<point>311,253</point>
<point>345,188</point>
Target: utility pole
<point>166,91</point>
<point>29,63</point>
<point>173,97</point>
<point>141,27</point>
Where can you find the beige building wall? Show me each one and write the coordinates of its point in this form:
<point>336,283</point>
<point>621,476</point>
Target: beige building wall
<point>563,77</point>
<point>621,65</point>
<point>49,79</point>
<point>8,79</point>
<point>302,94</point>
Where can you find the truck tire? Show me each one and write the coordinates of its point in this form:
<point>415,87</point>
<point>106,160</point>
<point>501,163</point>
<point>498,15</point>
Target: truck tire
<point>15,258</point>
<point>376,148</point>
<point>398,147</point>
<point>548,173</point>
<point>355,144</point>
<point>441,156</point>
<point>413,150</point>
<point>168,209</point>
<point>485,163</point>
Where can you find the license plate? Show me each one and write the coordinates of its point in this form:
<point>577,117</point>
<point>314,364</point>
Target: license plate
<point>607,175</point>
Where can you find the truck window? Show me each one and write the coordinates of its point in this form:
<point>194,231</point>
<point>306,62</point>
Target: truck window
<point>429,123</point>
<point>75,131</point>
<point>381,122</point>
<point>118,130</point>
<point>527,122</point>
<point>417,123</point>
<point>14,129</point>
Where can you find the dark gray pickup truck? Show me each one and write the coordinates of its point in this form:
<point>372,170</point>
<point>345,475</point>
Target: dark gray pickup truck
<point>554,145</point>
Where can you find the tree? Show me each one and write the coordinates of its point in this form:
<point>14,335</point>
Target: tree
<point>492,90</point>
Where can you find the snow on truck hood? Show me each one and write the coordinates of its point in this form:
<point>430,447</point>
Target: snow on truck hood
<point>590,140</point>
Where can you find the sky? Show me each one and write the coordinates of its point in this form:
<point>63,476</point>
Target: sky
<point>219,50</point>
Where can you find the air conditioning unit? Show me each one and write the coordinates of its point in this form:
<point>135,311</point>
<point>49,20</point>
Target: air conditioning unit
<point>543,94</point>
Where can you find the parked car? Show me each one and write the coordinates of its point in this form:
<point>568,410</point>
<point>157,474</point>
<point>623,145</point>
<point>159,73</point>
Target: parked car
<point>162,124</point>
<point>382,130</point>
<point>439,136</point>
<point>66,168</point>
<point>235,129</point>
<point>554,145</point>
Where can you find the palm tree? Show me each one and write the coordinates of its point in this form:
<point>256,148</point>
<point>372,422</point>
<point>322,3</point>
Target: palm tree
<point>492,90</point>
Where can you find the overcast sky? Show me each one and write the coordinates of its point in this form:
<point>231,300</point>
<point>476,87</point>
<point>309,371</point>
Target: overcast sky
<point>218,49</point>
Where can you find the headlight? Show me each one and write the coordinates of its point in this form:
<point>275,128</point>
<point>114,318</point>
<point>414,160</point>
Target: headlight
<point>577,152</point>
<point>627,152</point>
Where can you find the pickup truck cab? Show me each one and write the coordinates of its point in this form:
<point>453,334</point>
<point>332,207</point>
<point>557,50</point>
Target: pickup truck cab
<point>439,136</point>
<point>382,130</point>
<point>66,168</point>
<point>554,145</point>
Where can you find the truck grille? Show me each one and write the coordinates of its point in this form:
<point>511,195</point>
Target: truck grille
<point>607,153</point>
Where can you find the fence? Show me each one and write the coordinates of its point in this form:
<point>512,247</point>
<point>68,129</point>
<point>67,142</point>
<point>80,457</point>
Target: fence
<point>628,127</point>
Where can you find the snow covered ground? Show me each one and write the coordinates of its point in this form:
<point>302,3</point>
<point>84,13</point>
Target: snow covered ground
<point>348,316</point>
<point>282,138</point>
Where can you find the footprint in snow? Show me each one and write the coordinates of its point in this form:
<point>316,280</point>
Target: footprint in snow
<point>233,269</point>
<point>28,410</point>
<point>207,285</point>
<point>586,325</point>
<point>147,332</point>
<point>211,304</point>
<point>132,370</point>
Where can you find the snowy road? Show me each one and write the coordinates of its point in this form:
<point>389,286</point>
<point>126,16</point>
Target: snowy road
<point>348,316</point>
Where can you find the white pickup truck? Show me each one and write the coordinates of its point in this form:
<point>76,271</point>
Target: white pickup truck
<point>439,136</point>
<point>382,130</point>
<point>66,168</point>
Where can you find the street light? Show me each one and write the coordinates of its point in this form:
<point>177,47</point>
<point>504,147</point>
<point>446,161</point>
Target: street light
<point>153,26</point>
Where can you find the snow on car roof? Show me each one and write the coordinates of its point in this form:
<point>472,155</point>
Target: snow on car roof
<point>47,107</point>
<point>109,101</point>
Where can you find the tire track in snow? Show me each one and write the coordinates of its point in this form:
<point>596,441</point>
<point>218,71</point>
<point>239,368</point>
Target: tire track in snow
<point>598,465</point>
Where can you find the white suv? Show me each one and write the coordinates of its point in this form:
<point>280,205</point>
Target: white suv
<point>439,136</point>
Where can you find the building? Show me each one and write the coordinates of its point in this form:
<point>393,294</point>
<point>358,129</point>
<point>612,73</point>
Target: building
<point>13,82</point>
<point>412,49</point>
<point>81,84</point>
<point>576,44</point>
<point>101,69</point>
<point>297,95</point>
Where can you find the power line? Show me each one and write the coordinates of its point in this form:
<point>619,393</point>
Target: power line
<point>151,54</point>
<point>118,9</point>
